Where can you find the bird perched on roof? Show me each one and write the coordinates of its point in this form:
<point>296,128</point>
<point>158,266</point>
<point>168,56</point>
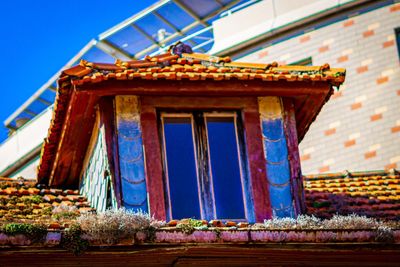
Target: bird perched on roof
<point>179,48</point>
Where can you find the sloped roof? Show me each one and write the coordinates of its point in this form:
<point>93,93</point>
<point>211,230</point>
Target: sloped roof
<point>188,74</point>
<point>193,66</point>
<point>373,194</point>
<point>23,201</point>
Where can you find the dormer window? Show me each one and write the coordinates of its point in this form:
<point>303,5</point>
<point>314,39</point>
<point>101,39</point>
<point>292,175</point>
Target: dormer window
<point>186,135</point>
<point>204,164</point>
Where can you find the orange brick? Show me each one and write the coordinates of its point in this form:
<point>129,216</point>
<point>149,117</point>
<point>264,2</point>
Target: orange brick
<point>391,166</point>
<point>394,8</point>
<point>388,43</point>
<point>348,23</point>
<point>324,169</point>
<point>305,157</point>
<point>370,154</point>
<point>356,106</point>
<point>376,117</point>
<point>362,69</point>
<point>396,129</point>
<point>323,49</point>
<point>368,33</point>
<point>349,143</point>
<point>382,80</point>
<point>342,59</point>
<point>262,54</point>
<point>398,92</point>
<point>330,131</point>
<point>336,94</point>
<point>304,38</point>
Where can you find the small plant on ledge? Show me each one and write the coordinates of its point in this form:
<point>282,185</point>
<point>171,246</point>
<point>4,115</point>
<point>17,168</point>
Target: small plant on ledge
<point>112,226</point>
<point>34,232</point>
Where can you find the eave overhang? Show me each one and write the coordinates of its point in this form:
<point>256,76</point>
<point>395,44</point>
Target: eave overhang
<point>80,88</point>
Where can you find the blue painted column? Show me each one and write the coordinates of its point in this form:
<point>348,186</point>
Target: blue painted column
<point>131,156</point>
<point>276,155</point>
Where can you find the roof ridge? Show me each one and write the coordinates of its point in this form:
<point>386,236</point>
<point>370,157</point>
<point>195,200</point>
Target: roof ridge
<point>353,174</point>
<point>180,58</point>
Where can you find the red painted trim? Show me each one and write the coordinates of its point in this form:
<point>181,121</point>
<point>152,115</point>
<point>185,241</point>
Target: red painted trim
<point>294,157</point>
<point>257,164</point>
<point>253,140</point>
<point>70,154</point>
<point>307,112</point>
<point>107,118</point>
<point>205,88</point>
<point>153,161</point>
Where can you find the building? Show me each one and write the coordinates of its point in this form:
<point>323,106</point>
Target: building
<point>357,130</point>
<point>181,135</point>
<point>204,112</point>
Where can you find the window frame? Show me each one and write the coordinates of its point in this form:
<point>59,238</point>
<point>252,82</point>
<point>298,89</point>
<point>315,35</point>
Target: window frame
<point>201,146</point>
<point>149,104</point>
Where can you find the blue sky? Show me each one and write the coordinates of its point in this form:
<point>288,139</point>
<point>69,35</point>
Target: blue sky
<point>39,37</point>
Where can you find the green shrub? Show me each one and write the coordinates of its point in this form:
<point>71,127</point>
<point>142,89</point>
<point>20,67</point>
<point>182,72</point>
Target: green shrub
<point>72,240</point>
<point>65,215</point>
<point>35,232</point>
<point>188,226</point>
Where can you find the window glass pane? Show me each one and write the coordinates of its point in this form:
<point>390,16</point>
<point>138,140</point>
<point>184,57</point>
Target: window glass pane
<point>181,165</point>
<point>225,167</point>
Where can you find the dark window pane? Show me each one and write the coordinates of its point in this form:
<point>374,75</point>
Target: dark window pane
<point>225,167</point>
<point>181,166</point>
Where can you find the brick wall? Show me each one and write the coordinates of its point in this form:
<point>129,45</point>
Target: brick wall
<point>359,128</point>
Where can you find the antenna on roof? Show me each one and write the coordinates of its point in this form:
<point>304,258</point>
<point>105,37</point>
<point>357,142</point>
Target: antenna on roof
<point>161,36</point>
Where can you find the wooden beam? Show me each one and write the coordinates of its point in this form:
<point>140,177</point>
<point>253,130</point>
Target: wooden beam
<point>306,114</point>
<point>294,157</point>
<point>154,170</point>
<point>74,141</point>
<point>204,88</point>
<point>257,164</point>
<point>107,119</point>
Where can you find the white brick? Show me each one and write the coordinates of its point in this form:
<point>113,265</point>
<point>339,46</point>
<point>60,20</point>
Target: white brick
<point>334,124</point>
<point>395,159</point>
<point>387,72</point>
<point>390,37</point>
<point>374,147</point>
<point>309,150</point>
<point>354,136</point>
<point>285,57</point>
<point>367,62</point>
<point>381,110</point>
<point>374,26</point>
<point>360,98</point>
<point>329,41</point>
<point>328,162</point>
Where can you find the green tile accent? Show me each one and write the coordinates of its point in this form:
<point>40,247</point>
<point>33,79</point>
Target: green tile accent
<point>96,182</point>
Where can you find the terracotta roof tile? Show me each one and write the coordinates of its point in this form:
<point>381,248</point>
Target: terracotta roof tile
<point>187,65</point>
<point>22,201</point>
<point>374,194</point>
